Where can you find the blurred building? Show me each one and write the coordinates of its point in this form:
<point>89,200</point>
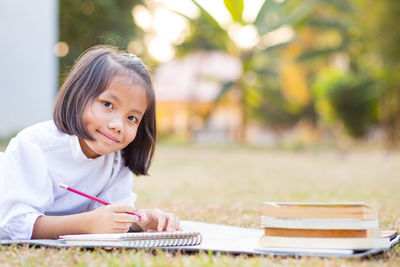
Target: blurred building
<point>186,90</point>
<point>28,65</point>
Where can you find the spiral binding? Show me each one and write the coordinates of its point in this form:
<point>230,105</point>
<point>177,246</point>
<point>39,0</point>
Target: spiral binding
<point>139,240</point>
<point>148,240</point>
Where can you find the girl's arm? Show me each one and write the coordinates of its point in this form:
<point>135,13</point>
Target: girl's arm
<point>113,218</point>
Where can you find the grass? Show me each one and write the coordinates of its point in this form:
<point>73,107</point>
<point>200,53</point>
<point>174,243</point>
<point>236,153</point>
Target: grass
<point>228,185</point>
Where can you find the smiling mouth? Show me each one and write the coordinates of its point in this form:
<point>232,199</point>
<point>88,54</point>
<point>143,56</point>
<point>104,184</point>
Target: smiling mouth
<point>108,137</point>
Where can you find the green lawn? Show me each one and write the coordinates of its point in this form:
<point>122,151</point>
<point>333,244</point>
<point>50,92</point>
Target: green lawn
<point>228,185</point>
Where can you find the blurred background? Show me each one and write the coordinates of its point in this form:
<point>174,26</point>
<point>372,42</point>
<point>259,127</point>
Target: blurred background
<point>271,73</point>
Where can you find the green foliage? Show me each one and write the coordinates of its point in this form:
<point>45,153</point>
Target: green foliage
<point>206,34</point>
<point>335,18</point>
<point>235,8</point>
<point>90,22</point>
<point>349,97</point>
<point>380,52</point>
<point>275,111</point>
<point>265,101</point>
<point>274,14</point>
<point>354,102</point>
<point>212,37</point>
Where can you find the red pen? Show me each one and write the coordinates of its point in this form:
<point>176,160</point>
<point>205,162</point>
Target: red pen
<point>91,197</point>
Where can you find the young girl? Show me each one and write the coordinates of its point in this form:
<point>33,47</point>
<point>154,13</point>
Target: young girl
<point>103,129</point>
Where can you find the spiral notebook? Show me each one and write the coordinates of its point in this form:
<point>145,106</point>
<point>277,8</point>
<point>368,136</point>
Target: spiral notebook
<point>139,240</point>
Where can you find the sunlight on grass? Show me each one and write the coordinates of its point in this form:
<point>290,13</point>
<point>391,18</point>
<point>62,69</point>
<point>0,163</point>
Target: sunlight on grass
<point>228,185</point>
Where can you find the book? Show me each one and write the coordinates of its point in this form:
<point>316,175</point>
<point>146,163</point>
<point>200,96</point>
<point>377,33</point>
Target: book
<point>322,226</point>
<point>139,240</point>
<point>325,243</point>
<point>333,233</point>
<point>329,252</point>
<point>299,223</point>
<point>338,210</point>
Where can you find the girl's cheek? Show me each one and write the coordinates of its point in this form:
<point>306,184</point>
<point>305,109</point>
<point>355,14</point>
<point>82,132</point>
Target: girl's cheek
<point>133,135</point>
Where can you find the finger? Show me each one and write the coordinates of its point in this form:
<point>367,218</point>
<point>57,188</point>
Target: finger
<point>171,222</point>
<point>118,228</point>
<point>123,228</point>
<point>178,224</point>
<point>122,225</point>
<point>120,207</point>
<point>143,215</point>
<point>125,218</point>
<point>161,222</point>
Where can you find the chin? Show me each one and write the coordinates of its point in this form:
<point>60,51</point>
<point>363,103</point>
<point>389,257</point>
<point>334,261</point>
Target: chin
<point>103,152</point>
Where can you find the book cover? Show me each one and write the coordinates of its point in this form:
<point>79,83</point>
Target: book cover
<point>325,243</point>
<point>333,233</point>
<point>342,210</point>
<point>299,223</point>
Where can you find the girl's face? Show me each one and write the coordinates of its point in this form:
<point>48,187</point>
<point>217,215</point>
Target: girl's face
<point>113,118</point>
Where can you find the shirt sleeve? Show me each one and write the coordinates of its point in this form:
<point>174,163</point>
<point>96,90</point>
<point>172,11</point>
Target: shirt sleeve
<point>25,189</point>
<point>120,189</point>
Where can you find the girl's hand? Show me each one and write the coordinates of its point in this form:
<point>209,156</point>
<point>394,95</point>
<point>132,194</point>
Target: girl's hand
<point>157,220</point>
<point>113,218</point>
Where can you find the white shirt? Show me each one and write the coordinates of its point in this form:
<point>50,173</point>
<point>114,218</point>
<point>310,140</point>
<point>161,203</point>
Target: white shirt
<point>36,161</point>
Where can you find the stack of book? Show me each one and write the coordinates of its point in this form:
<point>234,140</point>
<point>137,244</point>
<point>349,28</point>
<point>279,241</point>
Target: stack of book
<point>324,225</point>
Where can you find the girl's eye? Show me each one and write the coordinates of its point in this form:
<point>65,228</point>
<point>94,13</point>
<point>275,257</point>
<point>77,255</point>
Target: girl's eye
<point>132,118</point>
<point>107,104</point>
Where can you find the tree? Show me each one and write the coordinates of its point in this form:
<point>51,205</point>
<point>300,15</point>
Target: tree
<point>261,97</point>
<point>91,22</point>
<point>344,90</point>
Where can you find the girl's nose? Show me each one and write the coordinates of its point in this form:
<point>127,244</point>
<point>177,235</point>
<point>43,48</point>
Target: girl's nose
<point>115,124</point>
